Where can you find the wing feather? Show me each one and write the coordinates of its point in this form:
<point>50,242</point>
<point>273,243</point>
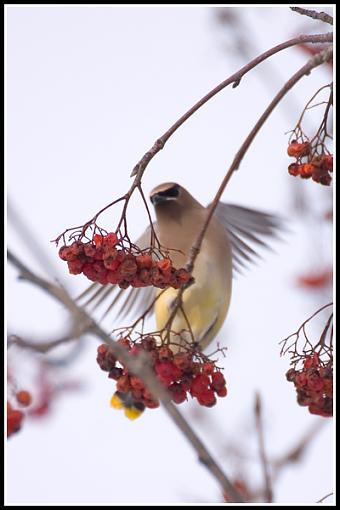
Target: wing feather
<point>247,227</point>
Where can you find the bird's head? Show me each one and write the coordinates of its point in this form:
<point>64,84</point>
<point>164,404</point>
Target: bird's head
<point>172,199</point>
<point>166,193</point>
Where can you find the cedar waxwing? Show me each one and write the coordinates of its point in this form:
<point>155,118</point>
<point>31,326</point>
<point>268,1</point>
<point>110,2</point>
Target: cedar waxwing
<point>226,248</point>
<point>179,220</point>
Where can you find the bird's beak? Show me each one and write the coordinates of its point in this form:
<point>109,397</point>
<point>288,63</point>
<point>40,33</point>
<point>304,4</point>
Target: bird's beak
<point>157,199</point>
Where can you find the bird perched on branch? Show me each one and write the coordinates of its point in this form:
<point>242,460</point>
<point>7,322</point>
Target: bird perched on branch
<point>227,247</point>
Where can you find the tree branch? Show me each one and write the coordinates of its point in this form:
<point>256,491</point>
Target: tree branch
<point>321,16</point>
<point>327,496</point>
<point>268,491</point>
<point>320,58</point>
<point>234,79</point>
<point>137,365</point>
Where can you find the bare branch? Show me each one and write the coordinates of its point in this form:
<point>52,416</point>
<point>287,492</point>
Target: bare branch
<point>295,454</point>
<point>234,79</point>
<point>42,347</point>
<point>327,496</point>
<point>321,16</point>
<point>320,58</point>
<point>139,366</point>
<point>268,491</point>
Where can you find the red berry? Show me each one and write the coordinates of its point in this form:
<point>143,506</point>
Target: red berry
<point>291,374</point>
<point>136,383</point>
<point>75,266</point>
<point>165,353</point>
<point>307,170</point>
<point>24,398</point>
<point>89,250</point>
<point>294,169</point>
<point>124,342</point>
<point>199,384</point>
<point>312,361</point>
<point>182,360</point>
<point>167,371</point>
<point>208,368</point>
<point>164,265</point>
<point>217,381</point>
<point>182,276</point>
<point>98,240</point>
<point>151,404</point>
<point>110,239</point>
<point>64,253</point>
<point>14,421</point>
<point>144,261</point>
<point>300,380</point>
<point>327,162</point>
<point>206,398</point>
<point>222,392</point>
<point>298,150</point>
<point>127,268</point>
<point>315,384</point>
<point>148,343</point>
<point>123,384</point>
<point>102,349</point>
<point>178,393</point>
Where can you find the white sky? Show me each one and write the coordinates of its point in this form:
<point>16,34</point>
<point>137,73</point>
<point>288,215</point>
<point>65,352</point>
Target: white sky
<point>89,89</point>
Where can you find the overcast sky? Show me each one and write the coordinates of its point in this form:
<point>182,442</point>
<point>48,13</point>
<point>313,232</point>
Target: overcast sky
<point>88,91</point>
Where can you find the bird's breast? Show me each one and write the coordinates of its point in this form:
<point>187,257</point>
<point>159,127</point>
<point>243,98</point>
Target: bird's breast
<point>205,302</point>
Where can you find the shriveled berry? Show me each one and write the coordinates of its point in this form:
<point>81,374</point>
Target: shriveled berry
<point>199,384</point>
<point>123,384</point>
<point>165,353</point>
<point>167,371</point>
<point>182,360</point>
<point>115,373</point>
<point>206,398</point>
<point>178,393</point>
<point>298,150</point>
<point>217,381</point>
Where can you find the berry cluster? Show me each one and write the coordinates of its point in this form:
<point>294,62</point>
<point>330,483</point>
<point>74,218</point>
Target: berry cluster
<point>182,374</point>
<point>15,416</point>
<point>101,261</point>
<point>314,385</point>
<point>316,166</point>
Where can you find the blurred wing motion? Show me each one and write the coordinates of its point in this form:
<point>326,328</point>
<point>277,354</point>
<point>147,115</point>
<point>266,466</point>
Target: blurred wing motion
<point>246,228</point>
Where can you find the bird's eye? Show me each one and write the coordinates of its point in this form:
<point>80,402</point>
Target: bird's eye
<point>171,192</point>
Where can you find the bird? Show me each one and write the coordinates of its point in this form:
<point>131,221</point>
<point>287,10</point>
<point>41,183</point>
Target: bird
<point>180,218</point>
<point>227,248</point>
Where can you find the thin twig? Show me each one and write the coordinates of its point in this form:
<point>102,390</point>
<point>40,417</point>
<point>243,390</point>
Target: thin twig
<point>268,491</point>
<point>321,16</point>
<point>327,496</point>
<point>42,347</point>
<point>295,453</point>
<point>137,365</point>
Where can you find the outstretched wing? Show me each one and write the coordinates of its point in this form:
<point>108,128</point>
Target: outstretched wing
<point>124,302</point>
<point>248,229</point>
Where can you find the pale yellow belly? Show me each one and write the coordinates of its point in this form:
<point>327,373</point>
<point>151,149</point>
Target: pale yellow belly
<point>205,304</point>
